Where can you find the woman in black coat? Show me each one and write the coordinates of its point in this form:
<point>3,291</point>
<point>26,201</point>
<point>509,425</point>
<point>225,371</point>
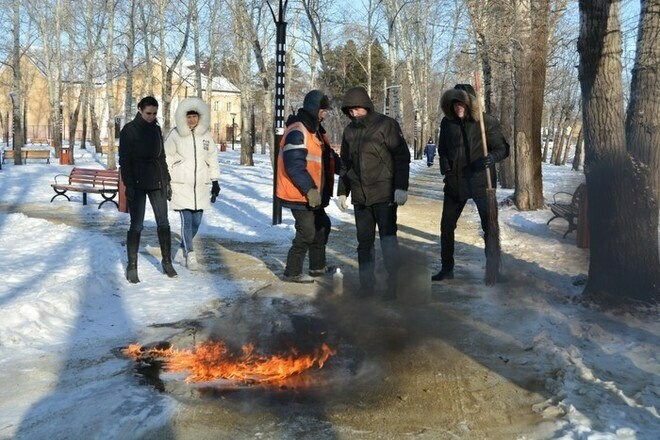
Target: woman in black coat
<point>144,173</point>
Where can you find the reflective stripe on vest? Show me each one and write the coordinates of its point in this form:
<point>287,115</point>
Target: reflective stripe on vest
<point>286,189</point>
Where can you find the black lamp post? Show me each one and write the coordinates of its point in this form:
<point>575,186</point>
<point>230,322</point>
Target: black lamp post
<point>280,66</point>
<point>233,130</point>
<point>61,124</point>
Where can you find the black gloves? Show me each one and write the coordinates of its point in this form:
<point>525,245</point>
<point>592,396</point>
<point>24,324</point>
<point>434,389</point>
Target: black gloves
<point>168,192</point>
<point>130,193</point>
<point>215,190</point>
<point>444,165</point>
<point>483,163</point>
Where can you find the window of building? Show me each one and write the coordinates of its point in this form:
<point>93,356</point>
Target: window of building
<point>217,106</point>
<point>229,107</point>
<point>216,127</point>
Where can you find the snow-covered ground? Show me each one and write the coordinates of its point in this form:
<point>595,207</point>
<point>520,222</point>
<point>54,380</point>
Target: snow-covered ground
<point>64,299</point>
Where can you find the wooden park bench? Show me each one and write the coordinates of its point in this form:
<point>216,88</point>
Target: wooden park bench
<point>568,211</point>
<point>7,154</point>
<point>27,153</point>
<point>85,180</point>
<point>40,141</point>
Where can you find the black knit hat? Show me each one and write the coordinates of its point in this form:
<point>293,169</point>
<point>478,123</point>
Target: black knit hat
<point>314,101</point>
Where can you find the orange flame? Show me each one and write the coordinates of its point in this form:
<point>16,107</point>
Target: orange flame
<point>213,360</point>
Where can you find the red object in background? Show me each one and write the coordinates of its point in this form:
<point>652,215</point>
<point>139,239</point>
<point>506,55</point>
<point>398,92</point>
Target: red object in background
<point>223,146</point>
<point>123,205</point>
<point>64,155</point>
<point>583,237</point>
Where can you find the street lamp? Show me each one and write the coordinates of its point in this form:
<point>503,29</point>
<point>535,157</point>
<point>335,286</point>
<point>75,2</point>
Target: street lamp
<point>61,124</point>
<point>233,130</point>
<point>280,67</point>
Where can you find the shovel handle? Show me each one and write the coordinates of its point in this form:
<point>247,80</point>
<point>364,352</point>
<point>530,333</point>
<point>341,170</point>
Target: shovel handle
<point>477,87</point>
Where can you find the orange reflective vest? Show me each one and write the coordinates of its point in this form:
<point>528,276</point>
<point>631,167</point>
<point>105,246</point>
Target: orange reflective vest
<point>286,189</point>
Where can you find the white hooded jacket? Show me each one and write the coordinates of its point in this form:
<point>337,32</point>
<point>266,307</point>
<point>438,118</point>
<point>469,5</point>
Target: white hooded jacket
<point>192,157</point>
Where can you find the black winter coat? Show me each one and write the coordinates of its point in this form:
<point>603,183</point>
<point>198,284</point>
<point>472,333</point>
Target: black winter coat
<point>375,159</point>
<point>464,179</point>
<point>142,155</point>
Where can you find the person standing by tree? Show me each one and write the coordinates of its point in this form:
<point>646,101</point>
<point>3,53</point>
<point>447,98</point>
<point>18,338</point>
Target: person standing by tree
<point>144,173</point>
<point>463,164</point>
<point>429,151</point>
<point>305,180</point>
<point>375,168</point>
<point>193,164</point>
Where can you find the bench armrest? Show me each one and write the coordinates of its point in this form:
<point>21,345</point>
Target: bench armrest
<point>58,175</point>
<point>554,197</point>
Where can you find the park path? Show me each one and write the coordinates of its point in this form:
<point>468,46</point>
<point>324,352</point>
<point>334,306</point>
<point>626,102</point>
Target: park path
<point>446,368</point>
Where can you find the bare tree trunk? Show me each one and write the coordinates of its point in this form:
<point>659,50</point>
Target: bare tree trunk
<point>569,139</point>
<point>198,58</point>
<point>128,63</point>
<point>147,40</point>
<point>317,31</point>
<point>73,125</point>
<point>44,15</point>
<point>109,90</point>
<point>530,77</point>
<point>15,95</point>
<point>85,111</point>
<point>169,70</point>
<point>550,134</point>
<point>244,42</point>
<point>623,215</point>
<point>507,170</point>
<point>213,52</point>
<point>93,120</point>
<point>449,56</point>
<point>558,144</point>
<point>643,117</point>
<point>578,159</point>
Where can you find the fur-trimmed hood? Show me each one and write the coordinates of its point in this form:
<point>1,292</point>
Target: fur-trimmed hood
<point>451,95</point>
<point>197,104</point>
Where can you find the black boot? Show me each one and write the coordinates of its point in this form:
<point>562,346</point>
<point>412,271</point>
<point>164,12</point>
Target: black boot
<point>165,240</point>
<point>444,274</point>
<point>132,245</point>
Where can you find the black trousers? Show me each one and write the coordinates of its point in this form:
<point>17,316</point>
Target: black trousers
<point>312,231</point>
<point>451,211</point>
<point>367,218</point>
<point>137,206</point>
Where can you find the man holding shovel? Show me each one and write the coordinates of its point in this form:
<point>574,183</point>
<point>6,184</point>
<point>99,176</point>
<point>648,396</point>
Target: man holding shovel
<point>467,166</point>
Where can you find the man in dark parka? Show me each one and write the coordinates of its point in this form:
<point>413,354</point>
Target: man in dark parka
<point>375,167</point>
<point>463,164</point>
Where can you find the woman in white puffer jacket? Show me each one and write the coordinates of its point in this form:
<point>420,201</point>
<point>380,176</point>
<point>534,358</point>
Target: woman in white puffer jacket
<point>192,159</point>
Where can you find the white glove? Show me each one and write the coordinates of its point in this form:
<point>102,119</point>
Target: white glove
<point>400,197</point>
<point>342,203</point>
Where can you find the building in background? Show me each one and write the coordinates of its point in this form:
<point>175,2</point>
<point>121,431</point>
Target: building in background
<point>225,98</point>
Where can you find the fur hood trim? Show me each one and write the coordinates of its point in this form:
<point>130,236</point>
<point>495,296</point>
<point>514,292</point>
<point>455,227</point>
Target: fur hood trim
<point>451,95</point>
<point>197,104</point>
